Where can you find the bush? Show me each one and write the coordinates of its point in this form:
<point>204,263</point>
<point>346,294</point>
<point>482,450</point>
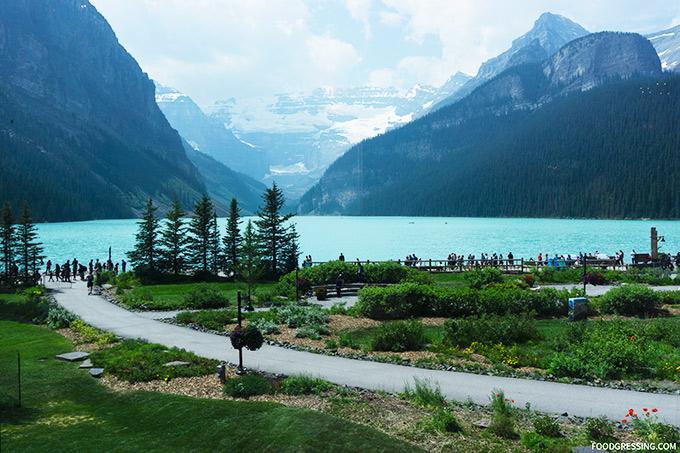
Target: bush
<point>304,385</point>
<point>529,280</point>
<point>503,417</point>
<point>599,430</point>
<point>407,300</point>
<point>312,331</point>
<point>446,422</point>
<point>92,334</point>
<point>547,426</point>
<point>266,326</point>
<point>204,295</point>
<point>297,316</point>
<point>215,320</point>
<point>247,386</point>
<point>398,336</point>
<point>58,317</point>
<point>630,300</point>
<point>480,278</point>
<point>670,297</point>
<point>489,330</point>
<point>139,361</point>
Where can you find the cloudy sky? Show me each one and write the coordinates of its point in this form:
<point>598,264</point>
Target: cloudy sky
<point>218,49</point>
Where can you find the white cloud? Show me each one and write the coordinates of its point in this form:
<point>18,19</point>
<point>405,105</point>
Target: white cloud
<point>383,78</point>
<point>331,55</point>
<point>359,10</point>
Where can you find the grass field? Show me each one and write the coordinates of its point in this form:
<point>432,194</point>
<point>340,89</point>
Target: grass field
<point>64,409</point>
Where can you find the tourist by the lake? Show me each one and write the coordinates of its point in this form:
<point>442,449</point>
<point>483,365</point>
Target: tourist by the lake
<point>90,268</point>
<point>115,269</point>
<point>74,267</point>
<point>50,274</point>
<point>49,265</point>
<point>360,271</point>
<point>632,256</point>
<point>123,264</point>
<point>339,282</point>
<point>66,271</point>
<point>341,257</point>
<point>57,271</point>
<point>81,271</point>
<point>90,282</point>
<point>511,259</point>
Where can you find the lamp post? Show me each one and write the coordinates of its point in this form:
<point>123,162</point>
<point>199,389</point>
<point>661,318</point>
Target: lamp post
<point>240,370</point>
<point>655,244</point>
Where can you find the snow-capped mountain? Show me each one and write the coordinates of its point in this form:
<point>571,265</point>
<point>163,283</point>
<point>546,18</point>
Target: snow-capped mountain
<point>667,45</point>
<point>207,135</point>
<point>302,133</point>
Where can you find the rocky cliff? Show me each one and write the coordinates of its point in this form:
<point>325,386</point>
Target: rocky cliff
<point>78,120</point>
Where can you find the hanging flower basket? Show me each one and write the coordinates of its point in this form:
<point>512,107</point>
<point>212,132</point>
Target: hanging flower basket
<point>248,337</point>
<point>321,293</point>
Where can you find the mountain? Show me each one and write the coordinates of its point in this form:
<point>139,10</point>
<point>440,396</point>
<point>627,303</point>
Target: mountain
<point>81,136</point>
<point>302,133</point>
<point>208,135</point>
<point>566,137</point>
<point>549,33</point>
<point>223,183</point>
<point>667,45</point>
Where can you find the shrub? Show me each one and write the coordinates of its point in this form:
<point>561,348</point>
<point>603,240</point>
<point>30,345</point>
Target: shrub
<point>503,417</point>
<point>247,386</point>
<point>406,300</point>
<point>670,297</point>
<point>266,326</point>
<point>630,300</point>
<point>331,345</point>
<point>398,336</point>
<point>297,316</point>
<point>312,331</point>
<point>446,422</point>
<point>205,295</point>
<point>547,426</point>
<point>210,319</point>
<point>529,280</point>
<point>480,278</point>
<point>304,385</point>
<point>58,317</point>
<point>489,330</point>
<point>139,361</point>
<point>425,393</point>
<point>599,430</point>
<point>92,334</point>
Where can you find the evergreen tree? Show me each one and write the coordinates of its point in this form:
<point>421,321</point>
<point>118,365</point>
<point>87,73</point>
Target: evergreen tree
<point>216,258</point>
<point>173,239</point>
<point>7,238</point>
<point>249,268</point>
<point>146,252</point>
<point>232,240</point>
<point>202,234</point>
<point>273,235</point>
<point>29,248</point>
<point>290,253</point>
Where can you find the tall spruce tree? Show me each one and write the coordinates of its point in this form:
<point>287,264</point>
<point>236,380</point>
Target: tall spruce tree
<point>202,234</point>
<point>7,239</point>
<point>146,253</point>
<point>290,253</point>
<point>173,239</point>
<point>29,249</point>
<point>232,240</point>
<point>249,268</point>
<point>216,258</point>
<point>272,232</point>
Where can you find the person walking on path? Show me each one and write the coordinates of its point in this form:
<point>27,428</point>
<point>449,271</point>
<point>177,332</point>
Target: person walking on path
<point>90,282</point>
<point>74,266</point>
<point>338,283</point>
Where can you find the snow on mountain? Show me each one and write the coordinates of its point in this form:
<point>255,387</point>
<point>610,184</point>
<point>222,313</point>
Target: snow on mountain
<point>303,133</point>
<point>667,45</point>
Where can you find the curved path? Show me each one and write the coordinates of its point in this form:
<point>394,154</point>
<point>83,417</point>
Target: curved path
<point>548,397</point>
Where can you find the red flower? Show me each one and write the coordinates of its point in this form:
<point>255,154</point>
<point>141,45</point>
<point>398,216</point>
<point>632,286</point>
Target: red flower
<point>644,410</point>
<point>624,421</point>
<point>506,399</point>
<point>512,401</point>
<point>655,410</point>
<point>498,394</point>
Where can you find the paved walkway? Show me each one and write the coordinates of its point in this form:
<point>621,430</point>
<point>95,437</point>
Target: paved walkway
<point>548,397</point>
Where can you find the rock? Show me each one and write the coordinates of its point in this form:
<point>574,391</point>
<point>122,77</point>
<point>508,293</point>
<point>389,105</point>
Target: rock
<point>587,450</point>
<point>177,363</point>
<point>483,423</point>
<point>86,364</point>
<point>72,356</point>
<point>107,286</point>
<point>96,372</point>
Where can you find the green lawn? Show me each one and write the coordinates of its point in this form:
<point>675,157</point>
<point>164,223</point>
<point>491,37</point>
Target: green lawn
<point>172,296</point>
<point>64,409</point>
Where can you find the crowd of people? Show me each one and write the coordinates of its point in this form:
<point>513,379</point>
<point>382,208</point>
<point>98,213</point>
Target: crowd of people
<point>72,269</point>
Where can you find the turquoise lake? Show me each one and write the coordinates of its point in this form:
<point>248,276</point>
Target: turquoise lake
<point>384,238</point>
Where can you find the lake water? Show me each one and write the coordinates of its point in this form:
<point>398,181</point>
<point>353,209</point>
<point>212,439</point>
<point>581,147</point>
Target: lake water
<point>384,238</point>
